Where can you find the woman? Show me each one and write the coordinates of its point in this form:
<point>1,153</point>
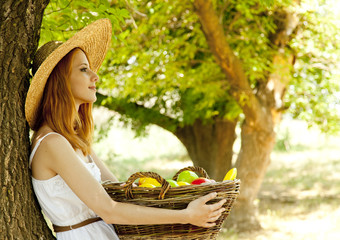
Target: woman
<point>66,173</point>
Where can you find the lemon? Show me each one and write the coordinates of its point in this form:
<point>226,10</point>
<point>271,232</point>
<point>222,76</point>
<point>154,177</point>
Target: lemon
<point>183,183</point>
<point>141,181</point>
<point>147,185</point>
<point>231,174</point>
<point>149,180</point>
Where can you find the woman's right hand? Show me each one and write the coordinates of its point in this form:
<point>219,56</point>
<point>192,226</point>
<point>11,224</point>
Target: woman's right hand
<point>203,215</point>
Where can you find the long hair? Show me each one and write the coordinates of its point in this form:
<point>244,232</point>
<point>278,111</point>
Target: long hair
<point>58,108</point>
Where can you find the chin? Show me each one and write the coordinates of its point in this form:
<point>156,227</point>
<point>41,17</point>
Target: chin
<point>91,99</point>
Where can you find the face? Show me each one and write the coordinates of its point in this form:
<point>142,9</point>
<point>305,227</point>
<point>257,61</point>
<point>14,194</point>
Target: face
<point>82,79</point>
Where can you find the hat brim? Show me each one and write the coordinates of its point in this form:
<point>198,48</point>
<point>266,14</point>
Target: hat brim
<point>94,40</point>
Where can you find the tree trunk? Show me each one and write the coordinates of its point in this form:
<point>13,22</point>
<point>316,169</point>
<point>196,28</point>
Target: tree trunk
<point>20,216</point>
<point>258,142</point>
<point>261,110</point>
<point>210,145</point>
<point>252,163</point>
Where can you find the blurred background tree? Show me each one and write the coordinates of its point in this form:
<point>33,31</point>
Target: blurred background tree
<point>201,68</point>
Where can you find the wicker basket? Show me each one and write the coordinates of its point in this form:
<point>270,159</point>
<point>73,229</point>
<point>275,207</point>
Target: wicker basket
<point>171,198</point>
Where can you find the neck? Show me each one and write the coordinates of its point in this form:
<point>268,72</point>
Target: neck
<point>77,107</point>
<point>45,126</point>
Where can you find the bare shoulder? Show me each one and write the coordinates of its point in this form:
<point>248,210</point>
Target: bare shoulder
<point>55,143</point>
<point>51,151</point>
<point>51,144</point>
<point>47,137</point>
<point>54,138</point>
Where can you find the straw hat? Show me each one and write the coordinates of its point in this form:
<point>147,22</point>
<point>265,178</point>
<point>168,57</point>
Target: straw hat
<point>94,40</point>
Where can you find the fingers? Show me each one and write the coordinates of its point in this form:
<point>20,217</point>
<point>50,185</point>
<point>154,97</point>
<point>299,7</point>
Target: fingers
<point>208,225</point>
<point>208,197</point>
<point>218,205</point>
<point>209,212</point>
<point>217,213</point>
<point>211,196</point>
<point>212,220</point>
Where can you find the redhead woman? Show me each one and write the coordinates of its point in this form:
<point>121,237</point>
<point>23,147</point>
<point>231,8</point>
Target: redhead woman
<point>66,173</point>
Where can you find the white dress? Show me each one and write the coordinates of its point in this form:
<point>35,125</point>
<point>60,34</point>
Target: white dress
<point>64,208</point>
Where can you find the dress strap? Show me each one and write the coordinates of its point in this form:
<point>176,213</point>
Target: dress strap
<point>89,157</point>
<point>37,145</point>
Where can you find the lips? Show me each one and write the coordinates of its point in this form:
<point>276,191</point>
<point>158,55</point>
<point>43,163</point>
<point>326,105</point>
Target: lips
<point>93,88</point>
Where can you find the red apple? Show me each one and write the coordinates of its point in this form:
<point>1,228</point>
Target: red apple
<point>200,180</point>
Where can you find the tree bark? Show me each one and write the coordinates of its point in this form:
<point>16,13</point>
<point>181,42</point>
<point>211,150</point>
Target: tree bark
<point>210,145</point>
<point>20,216</point>
<point>252,163</point>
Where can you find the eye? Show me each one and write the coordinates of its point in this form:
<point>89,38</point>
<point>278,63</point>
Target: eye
<point>83,69</point>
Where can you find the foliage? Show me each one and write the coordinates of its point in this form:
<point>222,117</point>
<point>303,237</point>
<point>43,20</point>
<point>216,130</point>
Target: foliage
<point>161,66</point>
<point>63,18</point>
<point>313,94</point>
<point>165,65</point>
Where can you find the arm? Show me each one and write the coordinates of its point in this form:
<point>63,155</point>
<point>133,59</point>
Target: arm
<point>106,173</point>
<point>197,213</point>
<point>62,159</point>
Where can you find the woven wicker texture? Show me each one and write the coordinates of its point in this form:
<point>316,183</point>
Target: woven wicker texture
<point>171,198</point>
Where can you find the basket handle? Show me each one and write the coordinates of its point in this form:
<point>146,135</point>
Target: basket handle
<point>128,187</point>
<point>195,169</point>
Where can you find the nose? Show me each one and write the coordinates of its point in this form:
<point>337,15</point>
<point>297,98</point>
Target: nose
<point>94,77</point>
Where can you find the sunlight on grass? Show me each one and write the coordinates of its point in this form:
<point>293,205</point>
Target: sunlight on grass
<point>299,198</point>
<point>300,195</point>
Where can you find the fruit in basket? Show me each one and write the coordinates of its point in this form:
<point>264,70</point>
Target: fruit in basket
<point>147,185</point>
<point>183,183</point>
<point>149,180</point>
<point>187,176</point>
<point>231,174</point>
<point>173,183</point>
<point>200,180</point>
<point>141,181</point>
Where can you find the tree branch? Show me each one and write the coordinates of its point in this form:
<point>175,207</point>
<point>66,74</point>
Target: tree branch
<point>226,59</point>
<point>136,111</point>
<point>60,9</point>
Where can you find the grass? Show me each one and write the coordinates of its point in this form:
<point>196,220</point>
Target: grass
<point>299,198</point>
<point>300,195</point>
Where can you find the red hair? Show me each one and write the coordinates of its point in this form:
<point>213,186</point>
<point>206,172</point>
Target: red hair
<point>58,108</point>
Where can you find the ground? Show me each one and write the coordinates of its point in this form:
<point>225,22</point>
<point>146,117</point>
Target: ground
<point>299,198</point>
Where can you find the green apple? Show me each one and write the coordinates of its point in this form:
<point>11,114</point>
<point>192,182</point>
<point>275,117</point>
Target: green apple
<point>173,183</point>
<point>186,176</point>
